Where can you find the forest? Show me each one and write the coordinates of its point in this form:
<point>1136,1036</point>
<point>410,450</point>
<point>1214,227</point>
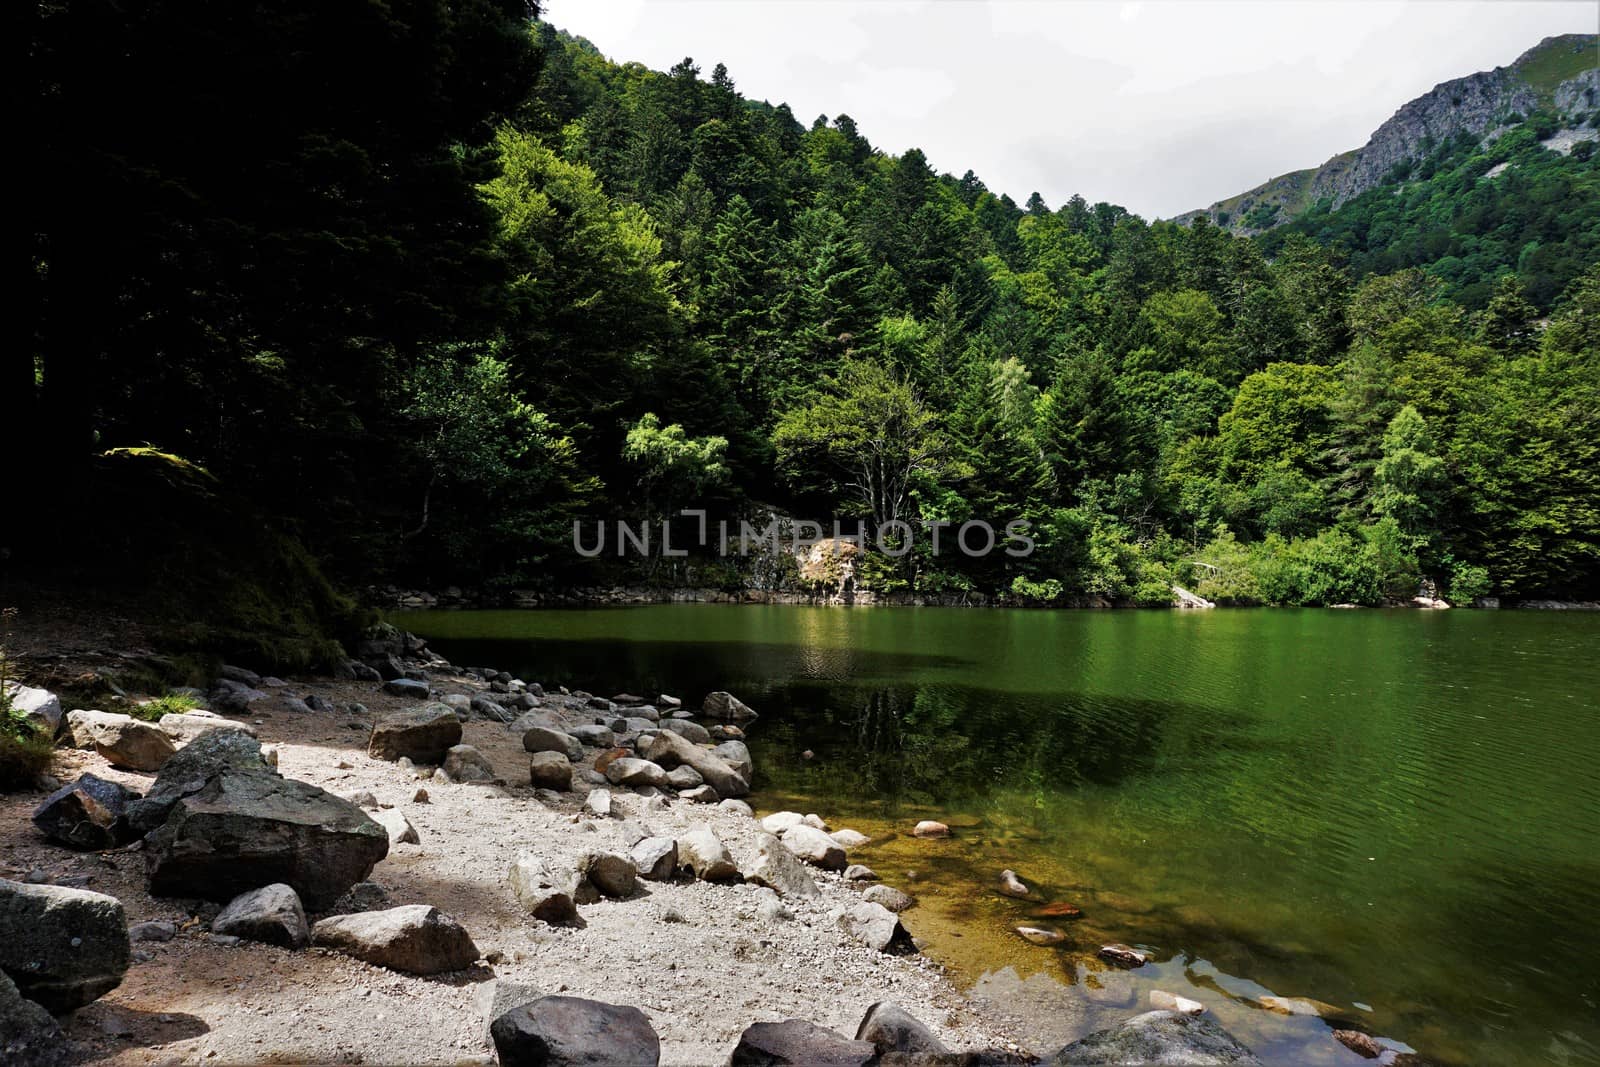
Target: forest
<point>400,293</point>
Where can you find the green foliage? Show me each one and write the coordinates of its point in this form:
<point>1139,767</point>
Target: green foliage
<point>168,704</point>
<point>24,752</point>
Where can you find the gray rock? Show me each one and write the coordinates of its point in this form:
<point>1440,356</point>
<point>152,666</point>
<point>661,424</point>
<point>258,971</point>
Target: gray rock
<point>671,750</point>
<point>153,930</point>
<point>1158,1038</point>
<point>406,687</point>
<point>272,915</point>
<point>414,938</point>
<point>890,1028</point>
<point>91,813</point>
<point>736,755</point>
<point>849,839</point>
<point>423,734</point>
<point>877,927</point>
<point>497,996</point>
<point>700,794</point>
<point>738,807</point>
<point>613,875</point>
<point>598,803</point>
<point>235,697</point>
<point>42,707</point>
<point>858,873</point>
<point>798,1043</point>
<point>725,707</point>
<point>636,772</point>
<point>777,868</point>
<point>486,708</point>
<point>541,891</point>
<point>703,852</point>
<point>573,1032</point>
<point>779,821</point>
<point>683,777</point>
<point>671,703</point>
<point>689,730</point>
<point>889,897</point>
<point>242,675</point>
<point>1122,956</point>
<point>62,947</point>
<point>550,770</point>
<point>363,896</point>
<point>815,847</point>
<point>549,739</point>
<point>463,763</point>
<point>245,830</point>
<point>121,739</point>
<point>594,735</point>
<point>185,727</point>
<point>397,826</point>
<point>187,773</point>
<point>459,702</point>
<point>656,858</point>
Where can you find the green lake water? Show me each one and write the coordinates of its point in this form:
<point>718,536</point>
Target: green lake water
<point>1395,813</point>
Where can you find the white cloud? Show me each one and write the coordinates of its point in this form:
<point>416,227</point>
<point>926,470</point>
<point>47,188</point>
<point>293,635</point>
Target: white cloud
<point>1158,106</point>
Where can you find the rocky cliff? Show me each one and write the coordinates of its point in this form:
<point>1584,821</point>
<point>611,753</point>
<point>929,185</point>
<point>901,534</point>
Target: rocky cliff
<point>1559,74</point>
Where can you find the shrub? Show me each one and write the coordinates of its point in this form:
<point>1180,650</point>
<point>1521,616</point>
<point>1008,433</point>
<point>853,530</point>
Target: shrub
<point>170,704</point>
<point>1468,582</point>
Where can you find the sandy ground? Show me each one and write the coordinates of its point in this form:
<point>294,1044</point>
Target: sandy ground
<point>697,958</point>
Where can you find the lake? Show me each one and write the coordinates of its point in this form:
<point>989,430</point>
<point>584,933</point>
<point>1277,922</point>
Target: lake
<point>1396,813</point>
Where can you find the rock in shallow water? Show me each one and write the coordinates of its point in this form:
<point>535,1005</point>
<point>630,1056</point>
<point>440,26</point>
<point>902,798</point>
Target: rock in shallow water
<point>1160,1039</point>
<point>574,1032</point>
<point>877,927</point>
<point>62,947</point>
<point>1122,956</point>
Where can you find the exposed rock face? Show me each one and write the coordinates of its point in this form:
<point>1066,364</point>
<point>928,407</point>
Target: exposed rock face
<point>242,831</point>
<point>877,927</point>
<point>272,915</point>
<point>573,1032</point>
<point>90,813</point>
<point>422,734</point>
<point>801,1043</point>
<point>415,938</point>
<point>1478,104</point>
<point>62,947</point>
<point>1158,1038</point>
<point>890,1028</point>
<point>193,766</point>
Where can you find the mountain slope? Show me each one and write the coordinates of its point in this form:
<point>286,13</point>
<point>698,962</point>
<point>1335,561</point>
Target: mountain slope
<point>1560,76</point>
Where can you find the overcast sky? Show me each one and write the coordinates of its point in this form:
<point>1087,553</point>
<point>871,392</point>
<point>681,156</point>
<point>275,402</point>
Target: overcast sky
<point>1160,107</point>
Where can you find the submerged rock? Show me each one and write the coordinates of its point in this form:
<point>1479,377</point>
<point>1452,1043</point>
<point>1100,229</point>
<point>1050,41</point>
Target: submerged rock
<point>1158,1038</point>
<point>1164,1001</point>
<point>1041,935</point>
<point>1012,886</point>
<point>1122,956</point>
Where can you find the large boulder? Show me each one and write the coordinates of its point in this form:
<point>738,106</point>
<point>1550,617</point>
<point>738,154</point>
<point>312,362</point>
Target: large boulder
<point>415,938</point>
<point>777,868</point>
<point>669,750</point>
<point>801,1043</point>
<point>573,1032</point>
<point>40,706</point>
<point>656,858</point>
<point>550,770</point>
<point>542,892</point>
<point>463,763</point>
<point>636,772</point>
<point>876,927</point>
<point>188,772</point>
<point>1158,1038</point>
<point>542,738</point>
<point>725,707</point>
<point>121,739</point>
<point>890,1028</point>
<point>186,726</point>
<point>422,734</point>
<point>91,813</point>
<point>736,755</point>
<point>703,852</point>
<point>62,947</point>
<point>815,847</point>
<point>245,830</point>
<point>689,730</point>
<point>272,915</point>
